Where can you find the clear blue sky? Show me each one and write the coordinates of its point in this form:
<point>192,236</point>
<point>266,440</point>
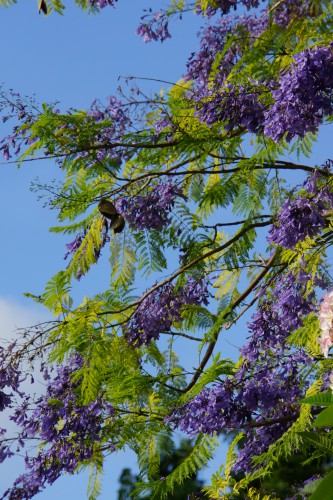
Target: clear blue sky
<point>73,59</point>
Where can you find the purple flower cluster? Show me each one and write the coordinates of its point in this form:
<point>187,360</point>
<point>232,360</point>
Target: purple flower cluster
<point>100,4</point>
<point>211,411</point>
<point>10,376</point>
<point>216,101</point>
<point>154,27</point>
<point>74,245</point>
<point>286,11</point>
<point>159,310</point>
<point>267,384</point>
<point>256,441</point>
<point>225,6</point>
<point>301,216</point>
<point>69,429</point>
<point>256,396</point>
<point>10,380</point>
<point>155,24</point>
<point>117,113</point>
<point>276,318</point>
<point>303,97</point>
<point>13,106</point>
<point>269,391</point>
<point>151,211</point>
<point>212,40</point>
<point>236,107</point>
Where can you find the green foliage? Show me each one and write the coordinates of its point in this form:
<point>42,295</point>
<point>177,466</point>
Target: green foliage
<point>322,399</point>
<point>171,456</point>
<point>150,252</point>
<point>325,419</point>
<point>198,458</point>
<point>318,440</point>
<point>94,484</point>
<point>324,489</point>
<point>123,259</point>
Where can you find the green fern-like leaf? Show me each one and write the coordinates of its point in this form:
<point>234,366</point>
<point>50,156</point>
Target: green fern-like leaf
<point>149,251</point>
<point>94,482</point>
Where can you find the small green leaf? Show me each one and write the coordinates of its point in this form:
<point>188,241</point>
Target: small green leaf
<point>324,490</point>
<point>325,418</point>
<point>322,399</point>
<point>311,487</point>
<point>55,402</point>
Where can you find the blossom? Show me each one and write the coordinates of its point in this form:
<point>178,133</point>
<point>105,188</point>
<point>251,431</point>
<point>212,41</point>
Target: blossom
<point>325,341</point>
<point>303,95</point>
<point>302,216</point>
<point>100,4</point>
<point>326,323</point>
<point>161,308</point>
<point>151,211</point>
<point>69,428</point>
<point>330,378</point>
<point>155,27</point>
<point>259,391</point>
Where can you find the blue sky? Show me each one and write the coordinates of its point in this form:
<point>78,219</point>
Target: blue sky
<point>74,59</point>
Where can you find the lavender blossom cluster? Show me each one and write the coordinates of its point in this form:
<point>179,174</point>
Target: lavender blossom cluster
<point>303,95</point>
<point>151,211</point>
<point>225,6</point>
<point>154,26</point>
<point>266,386</point>
<point>160,309</point>
<point>212,40</point>
<point>236,107</point>
<point>286,11</point>
<point>15,106</point>
<point>69,429</point>
<point>100,4</point>
<point>302,216</point>
<point>116,112</point>
<point>10,381</point>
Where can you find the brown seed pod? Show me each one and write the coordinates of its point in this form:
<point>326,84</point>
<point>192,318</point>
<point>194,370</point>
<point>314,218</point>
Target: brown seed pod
<point>117,221</point>
<point>42,7</point>
<point>107,208</point>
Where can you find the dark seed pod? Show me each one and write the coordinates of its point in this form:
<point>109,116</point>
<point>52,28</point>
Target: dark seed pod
<point>107,208</point>
<point>42,7</point>
<point>117,221</point>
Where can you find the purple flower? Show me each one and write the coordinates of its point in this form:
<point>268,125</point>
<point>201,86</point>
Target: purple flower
<point>267,384</point>
<point>100,4</point>
<point>151,211</point>
<point>235,107</point>
<point>159,310</point>
<point>288,10</point>
<point>69,428</point>
<point>154,27</point>
<point>226,5</point>
<point>212,40</point>
<point>303,95</point>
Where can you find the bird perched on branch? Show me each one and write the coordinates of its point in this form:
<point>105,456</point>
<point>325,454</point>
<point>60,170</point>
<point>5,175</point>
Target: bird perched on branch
<point>117,221</point>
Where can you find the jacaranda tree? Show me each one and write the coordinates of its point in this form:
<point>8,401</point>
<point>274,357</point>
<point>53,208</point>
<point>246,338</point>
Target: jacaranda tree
<point>164,186</point>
